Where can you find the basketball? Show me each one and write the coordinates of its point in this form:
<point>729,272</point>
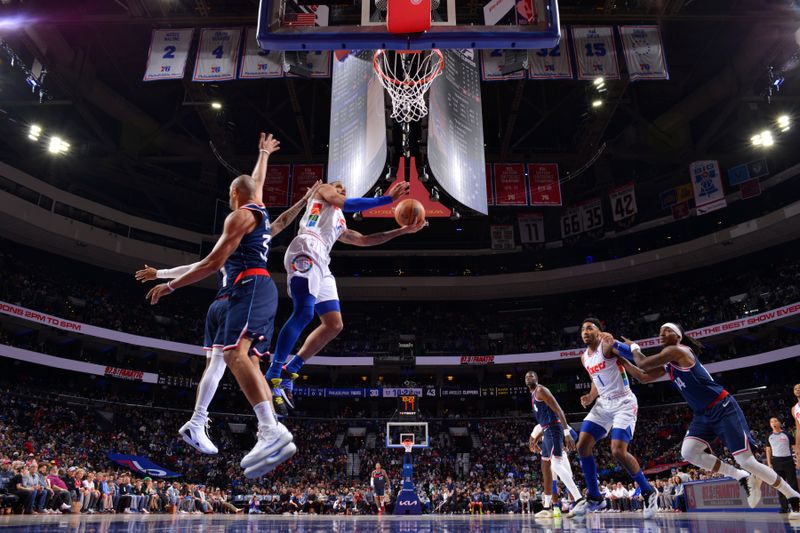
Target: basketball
<point>409,212</point>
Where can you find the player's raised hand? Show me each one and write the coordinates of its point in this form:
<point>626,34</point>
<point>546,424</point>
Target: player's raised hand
<point>268,143</point>
<point>158,292</point>
<point>413,228</point>
<point>148,273</point>
<point>311,191</point>
<point>399,190</point>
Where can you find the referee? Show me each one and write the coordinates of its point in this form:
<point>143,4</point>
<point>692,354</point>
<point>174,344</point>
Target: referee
<point>779,458</point>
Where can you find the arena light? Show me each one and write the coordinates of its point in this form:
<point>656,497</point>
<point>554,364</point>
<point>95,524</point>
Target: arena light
<point>216,105</point>
<point>58,146</point>
<point>597,103</point>
<point>34,132</point>
<point>784,122</point>
<point>599,82</point>
<point>449,378</point>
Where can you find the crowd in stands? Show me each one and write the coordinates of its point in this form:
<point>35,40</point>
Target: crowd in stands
<point>53,459</point>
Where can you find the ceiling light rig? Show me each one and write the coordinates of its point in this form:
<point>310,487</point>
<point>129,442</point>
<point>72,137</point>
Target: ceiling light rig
<point>34,76</point>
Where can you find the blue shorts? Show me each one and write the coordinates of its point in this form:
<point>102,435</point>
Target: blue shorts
<point>552,441</point>
<point>215,320</point>
<point>726,421</point>
<point>379,490</point>
<point>251,311</point>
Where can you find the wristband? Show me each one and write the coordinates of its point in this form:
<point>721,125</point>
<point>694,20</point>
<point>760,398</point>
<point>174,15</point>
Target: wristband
<point>635,347</point>
<point>161,274</point>
<point>354,205</point>
<point>568,432</point>
<point>624,350</point>
<point>170,287</point>
<point>265,151</point>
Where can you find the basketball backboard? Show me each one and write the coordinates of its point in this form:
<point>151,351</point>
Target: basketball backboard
<point>360,24</point>
<point>397,432</point>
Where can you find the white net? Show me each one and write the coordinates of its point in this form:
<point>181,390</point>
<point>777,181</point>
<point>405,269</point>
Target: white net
<point>408,445</point>
<point>407,75</point>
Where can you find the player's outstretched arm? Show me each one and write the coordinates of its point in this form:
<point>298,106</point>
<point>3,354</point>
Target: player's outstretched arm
<point>352,205</point>
<point>288,216</point>
<point>238,223</point>
<point>640,375</point>
<point>374,239</point>
<point>149,273</point>
<point>267,144</point>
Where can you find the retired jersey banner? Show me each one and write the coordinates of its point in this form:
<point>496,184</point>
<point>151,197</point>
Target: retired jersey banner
<point>489,186</point>
<point>509,184</point>
<point>595,52</point>
<point>169,50</point>
<point>276,186</point>
<point>623,202</point>
<point>571,223</point>
<point>544,184</point>
<point>644,52</point>
<point>492,64</point>
<point>531,228</point>
<point>591,214</point>
<point>707,183</point>
<point>304,177</point>
<point>217,54</point>
<point>551,63</point>
<point>257,63</point>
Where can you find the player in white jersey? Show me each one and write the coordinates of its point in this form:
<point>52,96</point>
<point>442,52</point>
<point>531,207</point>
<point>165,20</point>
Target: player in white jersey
<point>311,284</point>
<point>796,417</point>
<point>614,412</point>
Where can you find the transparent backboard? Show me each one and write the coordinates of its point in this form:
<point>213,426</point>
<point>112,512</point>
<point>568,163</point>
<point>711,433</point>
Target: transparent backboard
<point>360,25</point>
<point>397,432</point>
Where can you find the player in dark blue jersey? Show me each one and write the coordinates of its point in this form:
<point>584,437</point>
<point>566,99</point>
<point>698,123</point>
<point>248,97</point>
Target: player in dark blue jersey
<point>242,251</point>
<point>716,412</point>
<point>556,433</point>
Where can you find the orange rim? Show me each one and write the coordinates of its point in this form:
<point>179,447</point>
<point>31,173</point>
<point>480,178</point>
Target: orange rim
<point>426,79</point>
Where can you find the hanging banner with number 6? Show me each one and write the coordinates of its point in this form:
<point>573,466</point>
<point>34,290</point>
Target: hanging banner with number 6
<point>591,214</point>
<point>531,228</point>
<point>217,54</point>
<point>595,52</point>
<point>169,50</point>
<point>571,223</point>
<point>623,202</point>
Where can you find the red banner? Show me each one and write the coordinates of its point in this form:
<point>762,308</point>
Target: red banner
<point>489,188</point>
<point>509,184</point>
<point>276,186</point>
<point>680,211</point>
<point>303,177</point>
<point>750,188</point>
<point>545,187</point>
<point>477,359</point>
<point>124,373</point>
<point>417,191</point>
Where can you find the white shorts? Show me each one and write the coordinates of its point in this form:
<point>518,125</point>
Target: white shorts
<point>619,413</point>
<point>304,259</point>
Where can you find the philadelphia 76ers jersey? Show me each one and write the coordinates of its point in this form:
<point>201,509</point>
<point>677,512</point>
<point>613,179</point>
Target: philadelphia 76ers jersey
<point>323,221</point>
<point>253,249</point>
<point>607,373</point>
<point>694,383</point>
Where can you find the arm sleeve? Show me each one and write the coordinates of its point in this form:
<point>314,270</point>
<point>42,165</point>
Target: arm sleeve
<point>352,205</point>
<point>172,273</point>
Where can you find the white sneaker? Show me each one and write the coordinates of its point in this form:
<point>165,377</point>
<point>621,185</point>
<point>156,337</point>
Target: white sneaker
<point>195,434</point>
<point>544,513</point>
<point>271,439</point>
<point>65,507</point>
<point>651,505</point>
<point>127,511</point>
<point>579,509</point>
<point>793,515</point>
<point>271,463</point>
<point>754,492</point>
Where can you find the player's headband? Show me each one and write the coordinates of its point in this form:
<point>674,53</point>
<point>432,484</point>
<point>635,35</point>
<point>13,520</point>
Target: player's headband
<point>674,328</point>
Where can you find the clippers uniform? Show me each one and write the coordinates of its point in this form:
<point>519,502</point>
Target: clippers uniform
<point>215,317</point>
<point>253,298</point>
<point>309,254</point>
<point>616,406</point>
<point>553,437</point>
<point>716,413</point>
<point>378,482</point>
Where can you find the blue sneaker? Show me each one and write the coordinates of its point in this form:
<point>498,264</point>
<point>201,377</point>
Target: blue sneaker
<point>585,505</point>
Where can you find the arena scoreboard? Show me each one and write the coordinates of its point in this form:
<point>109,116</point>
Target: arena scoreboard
<point>408,406</point>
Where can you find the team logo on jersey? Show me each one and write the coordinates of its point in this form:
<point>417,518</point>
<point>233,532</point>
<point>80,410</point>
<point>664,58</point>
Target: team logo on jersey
<point>596,368</point>
<point>302,264</point>
<point>313,214</point>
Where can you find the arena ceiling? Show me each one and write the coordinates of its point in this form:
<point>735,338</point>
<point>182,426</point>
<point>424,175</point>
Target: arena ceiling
<point>144,147</point>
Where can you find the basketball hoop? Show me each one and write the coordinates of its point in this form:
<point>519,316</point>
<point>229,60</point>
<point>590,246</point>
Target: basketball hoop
<point>406,75</point>
<point>408,445</point>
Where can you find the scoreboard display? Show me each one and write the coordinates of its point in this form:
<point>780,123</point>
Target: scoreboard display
<point>409,406</point>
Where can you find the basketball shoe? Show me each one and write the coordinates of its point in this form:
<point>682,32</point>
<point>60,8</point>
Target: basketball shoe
<point>271,439</point>
<point>270,463</point>
<point>650,505</point>
<point>195,434</point>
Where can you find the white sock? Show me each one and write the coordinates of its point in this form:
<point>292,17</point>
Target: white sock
<point>564,471</point>
<point>731,471</point>
<point>265,414</point>
<point>786,489</point>
<point>694,451</point>
<point>747,461</point>
<point>207,387</point>
<point>547,501</point>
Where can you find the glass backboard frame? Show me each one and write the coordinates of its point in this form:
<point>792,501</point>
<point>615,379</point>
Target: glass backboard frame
<point>272,36</point>
<point>394,436</point>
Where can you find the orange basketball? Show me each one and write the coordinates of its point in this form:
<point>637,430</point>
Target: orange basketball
<point>408,212</point>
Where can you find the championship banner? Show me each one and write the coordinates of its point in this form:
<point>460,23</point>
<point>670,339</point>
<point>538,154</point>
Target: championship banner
<point>750,189</point>
<point>141,465</point>
<point>680,211</point>
<point>318,62</point>
<point>276,186</point>
<point>623,202</point>
<point>591,214</point>
<point>644,52</point>
<point>531,228</point>
<point>571,223</point>
<point>544,182</point>
<point>707,183</point>
<point>509,184</point>
<point>502,236</point>
<point>595,52</point>
<point>492,64</point>
<point>489,186</point>
<point>169,50</point>
<point>676,195</point>
<point>304,177</point>
<point>551,63</point>
<point>217,54</point>
<point>257,63</point>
